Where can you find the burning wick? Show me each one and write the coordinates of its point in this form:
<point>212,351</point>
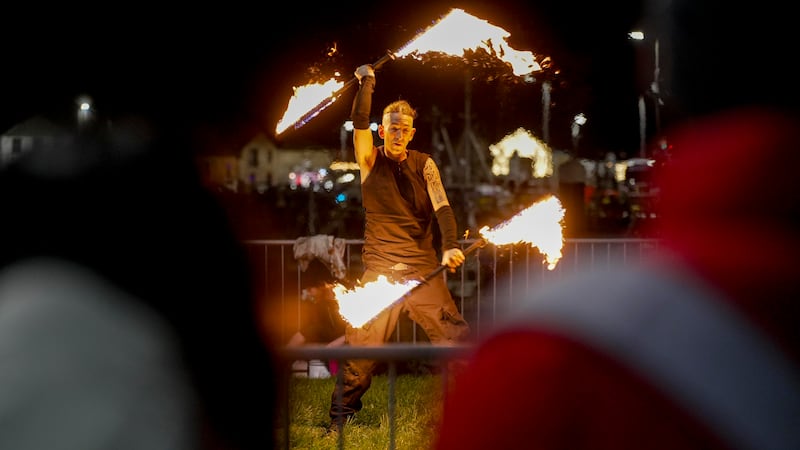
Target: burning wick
<point>452,35</point>
<point>539,225</point>
<point>360,305</point>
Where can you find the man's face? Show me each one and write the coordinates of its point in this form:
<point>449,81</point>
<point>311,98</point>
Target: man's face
<point>397,130</point>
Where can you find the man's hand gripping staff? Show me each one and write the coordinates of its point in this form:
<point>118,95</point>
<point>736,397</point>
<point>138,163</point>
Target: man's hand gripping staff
<point>350,83</point>
<point>434,273</point>
<point>449,261</point>
<point>362,104</point>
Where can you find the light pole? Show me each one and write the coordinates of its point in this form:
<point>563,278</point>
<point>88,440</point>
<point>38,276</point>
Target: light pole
<point>642,128</point>
<point>654,90</point>
<point>577,122</point>
<point>655,87</point>
<point>546,88</point>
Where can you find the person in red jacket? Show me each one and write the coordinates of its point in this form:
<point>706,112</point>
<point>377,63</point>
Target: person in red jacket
<point>696,348</point>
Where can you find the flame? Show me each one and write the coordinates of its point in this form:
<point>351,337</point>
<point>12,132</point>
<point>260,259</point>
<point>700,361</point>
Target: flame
<point>458,31</point>
<point>304,99</point>
<point>452,35</point>
<point>540,225</point>
<point>525,145</point>
<point>361,304</point>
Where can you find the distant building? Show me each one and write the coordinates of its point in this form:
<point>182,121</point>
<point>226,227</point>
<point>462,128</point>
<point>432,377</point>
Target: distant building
<point>259,165</point>
<point>33,133</point>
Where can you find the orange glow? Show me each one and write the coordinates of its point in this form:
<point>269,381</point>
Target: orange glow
<point>525,145</point>
<point>360,305</point>
<point>304,99</point>
<point>452,35</point>
<point>458,31</point>
<point>540,225</point>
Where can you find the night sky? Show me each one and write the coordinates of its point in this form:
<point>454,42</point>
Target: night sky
<point>228,69</point>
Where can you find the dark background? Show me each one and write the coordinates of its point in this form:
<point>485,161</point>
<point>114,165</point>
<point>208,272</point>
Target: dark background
<point>228,69</point>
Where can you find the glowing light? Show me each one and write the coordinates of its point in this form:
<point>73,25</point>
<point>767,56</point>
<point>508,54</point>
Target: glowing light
<point>346,178</point>
<point>360,305</point>
<point>458,32</point>
<point>525,145</point>
<point>540,225</point>
<point>636,35</point>
<point>343,165</point>
<point>452,35</point>
<point>304,99</point>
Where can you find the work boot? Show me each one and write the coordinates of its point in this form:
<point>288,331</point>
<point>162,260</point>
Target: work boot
<point>338,424</point>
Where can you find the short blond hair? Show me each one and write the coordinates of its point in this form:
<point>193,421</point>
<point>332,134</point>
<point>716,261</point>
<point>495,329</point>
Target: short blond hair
<point>402,107</point>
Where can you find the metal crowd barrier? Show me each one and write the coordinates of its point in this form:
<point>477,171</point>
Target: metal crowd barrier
<point>486,286</point>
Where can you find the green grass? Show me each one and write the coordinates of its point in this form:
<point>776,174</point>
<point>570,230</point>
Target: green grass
<point>417,405</point>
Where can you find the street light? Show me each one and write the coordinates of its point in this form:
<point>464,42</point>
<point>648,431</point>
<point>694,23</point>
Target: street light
<point>85,111</point>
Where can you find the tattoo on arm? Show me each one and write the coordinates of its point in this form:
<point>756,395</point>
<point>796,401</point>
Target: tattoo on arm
<point>434,180</point>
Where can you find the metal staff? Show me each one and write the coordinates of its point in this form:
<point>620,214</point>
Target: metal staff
<point>475,245</point>
<point>332,98</point>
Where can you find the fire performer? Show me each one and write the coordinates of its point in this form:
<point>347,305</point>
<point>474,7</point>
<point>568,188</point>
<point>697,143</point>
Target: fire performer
<point>402,192</point>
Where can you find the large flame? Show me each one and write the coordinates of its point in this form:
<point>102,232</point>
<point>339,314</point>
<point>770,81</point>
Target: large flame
<point>540,225</point>
<point>361,304</point>
<point>304,99</point>
<point>452,35</point>
<point>458,32</point>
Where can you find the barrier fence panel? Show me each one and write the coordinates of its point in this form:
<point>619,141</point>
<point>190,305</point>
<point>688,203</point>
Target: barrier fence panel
<point>485,287</point>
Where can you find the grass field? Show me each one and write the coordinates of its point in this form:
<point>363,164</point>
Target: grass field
<point>417,406</point>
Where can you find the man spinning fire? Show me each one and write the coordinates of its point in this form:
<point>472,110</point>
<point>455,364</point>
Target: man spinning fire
<point>402,192</point>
